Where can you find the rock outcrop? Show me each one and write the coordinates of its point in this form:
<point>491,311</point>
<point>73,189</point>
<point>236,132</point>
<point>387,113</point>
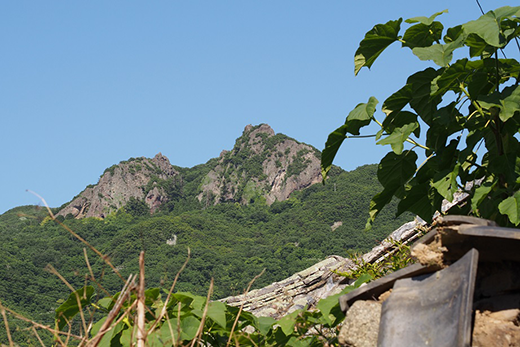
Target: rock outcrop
<point>471,297</point>
<point>136,178</point>
<point>305,288</point>
<point>262,164</point>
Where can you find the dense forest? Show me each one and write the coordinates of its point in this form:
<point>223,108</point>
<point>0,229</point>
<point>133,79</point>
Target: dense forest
<point>229,242</point>
<point>258,206</point>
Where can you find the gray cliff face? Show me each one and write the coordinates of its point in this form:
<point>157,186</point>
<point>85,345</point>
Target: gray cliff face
<point>132,178</point>
<point>262,164</point>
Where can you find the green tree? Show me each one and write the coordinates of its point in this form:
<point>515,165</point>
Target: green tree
<point>137,208</point>
<point>470,109</point>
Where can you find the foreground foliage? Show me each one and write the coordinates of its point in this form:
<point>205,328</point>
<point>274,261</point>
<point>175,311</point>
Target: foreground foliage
<point>183,319</point>
<point>470,108</point>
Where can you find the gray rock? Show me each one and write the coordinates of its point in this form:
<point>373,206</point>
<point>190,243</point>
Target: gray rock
<point>118,184</point>
<point>305,288</point>
<point>286,166</point>
<point>361,325</point>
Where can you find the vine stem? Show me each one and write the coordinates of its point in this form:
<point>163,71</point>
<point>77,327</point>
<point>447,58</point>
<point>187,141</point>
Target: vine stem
<point>360,136</point>
<point>408,139</point>
<point>477,106</point>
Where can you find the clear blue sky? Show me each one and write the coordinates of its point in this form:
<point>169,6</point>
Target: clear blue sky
<point>87,84</point>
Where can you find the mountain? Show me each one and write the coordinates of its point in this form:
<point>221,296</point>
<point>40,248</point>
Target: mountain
<point>261,164</point>
<point>256,207</point>
<point>119,184</point>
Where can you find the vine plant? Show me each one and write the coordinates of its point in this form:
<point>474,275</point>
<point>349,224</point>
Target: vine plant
<point>471,110</point>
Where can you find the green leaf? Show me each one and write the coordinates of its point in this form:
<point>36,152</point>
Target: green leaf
<point>508,102</point>
<point>359,117</point>
<point>364,278</point>
<point>151,295</point>
<point>288,322</point>
<point>488,26</point>
<point>379,134</point>
<point>417,200</point>
<point>67,310</point>
<point>507,12</point>
<point>447,184</point>
<point>478,47</point>
<point>424,104</point>
<point>217,313</point>
<point>399,119</point>
<point>505,164</point>
<point>265,324</point>
<point>326,305</point>
<point>155,339</point>
<point>189,327</point>
<point>398,100</point>
<point>511,208</point>
<point>378,202</point>
<point>452,77</point>
<point>393,173</point>
<point>444,123</point>
<point>452,34</point>
<point>126,337</point>
<point>425,20</point>
<point>332,146</point>
<point>375,42</point>
<point>440,54</point>
<point>395,170</point>
<point>479,84</point>
<point>329,307</point>
<point>421,35</point>
<point>106,303</point>
<point>298,341</point>
<point>187,299</point>
<point>398,136</point>
<point>168,336</point>
<point>417,92</point>
<point>481,192</point>
<point>112,334</point>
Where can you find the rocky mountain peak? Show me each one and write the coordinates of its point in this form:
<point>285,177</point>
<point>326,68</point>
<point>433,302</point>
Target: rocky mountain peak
<point>135,178</point>
<point>261,164</point>
<point>163,163</point>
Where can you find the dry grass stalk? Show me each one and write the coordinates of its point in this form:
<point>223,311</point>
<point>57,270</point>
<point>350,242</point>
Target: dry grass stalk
<point>125,292</point>
<point>2,309</point>
<point>178,322</point>
<point>141,330</point>
<point>174,340</point>
<point>163,310</point>
<point>242,307</point>
<point>204,314</point>
<point>92,278</point>
<point>37,335</point>
<point>52,270</point>
<point>101,255</point>
<point>41,326</point>
<point>129,285</point>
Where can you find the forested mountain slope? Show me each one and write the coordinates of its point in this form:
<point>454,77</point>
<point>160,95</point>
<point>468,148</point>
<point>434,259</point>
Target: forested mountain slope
<point>244,227</point>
